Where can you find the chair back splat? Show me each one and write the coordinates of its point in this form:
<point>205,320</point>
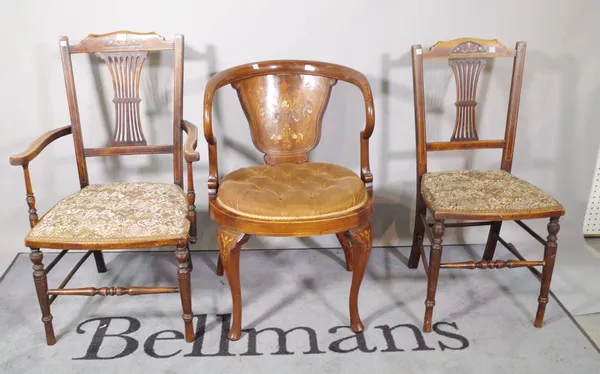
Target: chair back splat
<point>124,53</point>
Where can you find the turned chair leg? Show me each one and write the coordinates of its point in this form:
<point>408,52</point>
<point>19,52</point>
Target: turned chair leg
<point>362,241</point>
<point>219,266</point>
<point>100,264</point>
<point>191,200</point>
<point>193,235</point>
<point>41,288</point>
<point>190,262</point>
<point>419,232</point>
<point>490,246</point>
<point>230,244</point>
<point>183,275</point>
<point>549,257</point>
<point>347,246</point>
<point>435,259</point>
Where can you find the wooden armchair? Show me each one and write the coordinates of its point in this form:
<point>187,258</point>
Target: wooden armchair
<point>284,102</point>
<point>117,215</point>
<point>481,197</point>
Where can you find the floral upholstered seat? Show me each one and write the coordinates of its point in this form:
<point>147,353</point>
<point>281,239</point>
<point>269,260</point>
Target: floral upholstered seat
<point>105,213</point>
<point>477,191</point>
<point>292,191</point>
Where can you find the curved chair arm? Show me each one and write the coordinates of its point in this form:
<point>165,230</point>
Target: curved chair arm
<point>191,156</point>
<point>214,83</point>
<point>365,135</point>
<point>23,159</point>
<point>189,147</point>
<point>34,149</point>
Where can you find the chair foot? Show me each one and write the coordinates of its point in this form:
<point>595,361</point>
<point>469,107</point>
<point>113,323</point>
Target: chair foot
<point>357,327</point>
<point>428,316</point>
<point>549,258</point>
<point>100,264</point>
<point>539,315</point>
<point>234,335</point>
<point>361,240</point>
<point>230,244</point>
<point>41,288</point>
<point>183,275</point>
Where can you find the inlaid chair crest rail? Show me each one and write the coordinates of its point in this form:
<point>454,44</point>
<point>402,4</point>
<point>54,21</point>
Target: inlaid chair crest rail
<point>478,197</point>
<point>119,215</point>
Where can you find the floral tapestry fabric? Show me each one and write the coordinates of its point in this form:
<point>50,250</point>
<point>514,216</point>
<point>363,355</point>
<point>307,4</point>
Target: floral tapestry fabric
<point>116,212</point>
<point>484,191</point>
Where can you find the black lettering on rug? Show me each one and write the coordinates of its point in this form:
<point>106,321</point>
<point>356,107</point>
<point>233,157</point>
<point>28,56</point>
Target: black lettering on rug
<point>100,334</point>
<point>391,343</point>
<point>464,342</point>
<point>149,344</point>
<point>361,343</point>
<point>282,341</point>
<point>201,331</point>
<point>170,343</point>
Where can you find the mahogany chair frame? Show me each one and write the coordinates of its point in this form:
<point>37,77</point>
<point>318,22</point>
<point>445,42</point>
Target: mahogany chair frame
<point>130,141</point>
<point>474,52</point>
<point>352,229</point>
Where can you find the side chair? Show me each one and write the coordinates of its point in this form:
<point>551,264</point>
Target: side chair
<point>284,102</point>
<point>117,215</point>
<point>478,197</point>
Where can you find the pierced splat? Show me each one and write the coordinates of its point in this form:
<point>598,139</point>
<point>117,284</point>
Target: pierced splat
<point>285,113</point>
<point>125,69</point>
<point>466,74</point>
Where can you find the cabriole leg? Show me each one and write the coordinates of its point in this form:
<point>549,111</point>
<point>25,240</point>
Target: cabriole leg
<point>362,240</point>
<point>230,244</point>
<point>345,243</point>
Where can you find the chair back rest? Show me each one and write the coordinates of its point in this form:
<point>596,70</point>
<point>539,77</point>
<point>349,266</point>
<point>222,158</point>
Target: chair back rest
<point>284,102</point>
<point>124,53</point>
<point>467,58</point>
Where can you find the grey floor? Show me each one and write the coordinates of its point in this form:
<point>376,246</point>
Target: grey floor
<point>590,323</point>
<point>308,290</point>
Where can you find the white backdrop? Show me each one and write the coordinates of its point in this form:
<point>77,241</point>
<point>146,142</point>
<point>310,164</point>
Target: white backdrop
<point>557,135</point>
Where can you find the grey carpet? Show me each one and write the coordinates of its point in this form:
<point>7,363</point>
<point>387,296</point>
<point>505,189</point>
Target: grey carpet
<point>484,319</point>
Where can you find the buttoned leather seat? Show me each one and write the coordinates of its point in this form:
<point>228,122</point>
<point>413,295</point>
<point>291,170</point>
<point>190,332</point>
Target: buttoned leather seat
<point>292,191</point>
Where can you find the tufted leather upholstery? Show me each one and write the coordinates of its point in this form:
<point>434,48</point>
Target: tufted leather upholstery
<point>292,191</point>
<point>473,191</point>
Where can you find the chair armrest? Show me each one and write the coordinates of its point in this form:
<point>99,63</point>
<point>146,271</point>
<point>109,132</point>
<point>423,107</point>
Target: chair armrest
<point>365,168</point>
<point>214,83</point>
<point>38,146</point>
<point>189,147</point>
